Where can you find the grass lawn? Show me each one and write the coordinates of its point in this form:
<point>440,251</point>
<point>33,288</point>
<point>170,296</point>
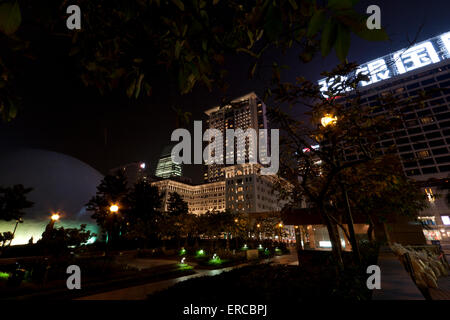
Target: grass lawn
<point>98,278</point>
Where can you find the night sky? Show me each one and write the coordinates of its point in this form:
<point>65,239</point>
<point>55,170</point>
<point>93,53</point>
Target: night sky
<point>62,120</point>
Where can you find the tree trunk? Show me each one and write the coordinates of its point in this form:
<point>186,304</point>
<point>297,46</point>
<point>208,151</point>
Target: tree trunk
<point>370,231</point>
<point>196,244</point>
<point>351,229</point>
<point>13,234</point>
<point>298,243</point>
<point>336,248</point>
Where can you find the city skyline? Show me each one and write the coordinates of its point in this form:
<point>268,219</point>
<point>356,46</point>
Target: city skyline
<point>106,122</point>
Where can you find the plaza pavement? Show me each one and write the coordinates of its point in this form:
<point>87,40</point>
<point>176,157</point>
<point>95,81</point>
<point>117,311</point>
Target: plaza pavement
<point>142,291</point>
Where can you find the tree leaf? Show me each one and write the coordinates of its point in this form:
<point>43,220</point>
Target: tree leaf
<point>10,17</point>
<point>316,23</point>
<point>342,42</point>
<point>273,25</point>
<point>131,88</point>
<point>178,46</point>
<point>293,4</point>
<point>328,37</point>
<point>138,86</point>
<point>179,4</point>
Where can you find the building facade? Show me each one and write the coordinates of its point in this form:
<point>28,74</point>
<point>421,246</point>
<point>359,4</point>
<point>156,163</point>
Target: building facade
<point>248,191</point>
<point>242,190</point>
<point>246,112</point>
<point>166,168</point>
<point>423,143</point>
<point>200,198</point>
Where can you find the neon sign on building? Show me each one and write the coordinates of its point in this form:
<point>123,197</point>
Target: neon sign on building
<point>418,56</point>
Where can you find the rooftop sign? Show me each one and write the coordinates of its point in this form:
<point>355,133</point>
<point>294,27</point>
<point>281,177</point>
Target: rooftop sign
<point>431,51</point>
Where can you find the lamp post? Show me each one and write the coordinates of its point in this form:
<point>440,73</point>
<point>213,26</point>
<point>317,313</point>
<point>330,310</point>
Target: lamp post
<point>113,209</point>
<point>20,220</point>
<point>280,225</point>
<point>53,219</point>
<point>328,120</point>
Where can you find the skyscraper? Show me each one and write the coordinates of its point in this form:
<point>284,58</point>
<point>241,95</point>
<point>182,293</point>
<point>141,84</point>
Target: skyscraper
<point>423,143</point>
<point>166,168</point>
<point>134,172</point>
<point>246,112</point>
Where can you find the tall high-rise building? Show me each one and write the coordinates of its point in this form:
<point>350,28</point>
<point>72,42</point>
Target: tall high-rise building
<point>166,168</point>
<point>134,172</point>
<point>246,112</point>
<point>423,143</point>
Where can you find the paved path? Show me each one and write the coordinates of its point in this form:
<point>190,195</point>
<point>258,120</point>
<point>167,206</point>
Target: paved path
<point>396,283</point>
<point>141,264</point>
<point>142,291</point>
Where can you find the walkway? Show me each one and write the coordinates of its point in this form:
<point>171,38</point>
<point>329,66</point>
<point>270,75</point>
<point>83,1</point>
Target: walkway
<point>142,291</point>
<point>396,283</point>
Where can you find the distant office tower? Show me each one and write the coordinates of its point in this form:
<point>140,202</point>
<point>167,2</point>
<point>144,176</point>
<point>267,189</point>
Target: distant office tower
<point>245,112</point>
<point>134,172</point>
<point>423,143</point>
<point>166,168</point>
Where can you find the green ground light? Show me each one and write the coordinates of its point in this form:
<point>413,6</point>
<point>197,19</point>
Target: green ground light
<point>4,276</point>
<point>184,266</point>
<point>200,253</point>
<point>215,260</point>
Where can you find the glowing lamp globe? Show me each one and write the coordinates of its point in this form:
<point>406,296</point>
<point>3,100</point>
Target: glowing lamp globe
<point>328,120</point>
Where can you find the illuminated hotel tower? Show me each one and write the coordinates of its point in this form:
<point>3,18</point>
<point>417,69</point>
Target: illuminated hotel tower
<point>245,112</point>
<point>423,142</point>
<point>166,168</point>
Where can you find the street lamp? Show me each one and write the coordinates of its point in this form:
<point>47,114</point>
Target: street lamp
<point>53,219</point>
<point>114,208</point>
<point>280,225</point>
<point>20,220</point>
<point>328,120</point>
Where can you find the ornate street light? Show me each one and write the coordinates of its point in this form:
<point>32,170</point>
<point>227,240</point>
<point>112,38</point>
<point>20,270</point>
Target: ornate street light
<point>328,120</point>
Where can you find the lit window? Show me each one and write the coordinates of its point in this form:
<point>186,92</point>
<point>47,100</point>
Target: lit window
<point>423,154</point>
<point>426,120</point>
<point>446,220</point>
<point>430,195</point>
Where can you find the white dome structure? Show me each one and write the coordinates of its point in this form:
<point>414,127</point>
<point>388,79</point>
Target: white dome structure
<point>60,184</point>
